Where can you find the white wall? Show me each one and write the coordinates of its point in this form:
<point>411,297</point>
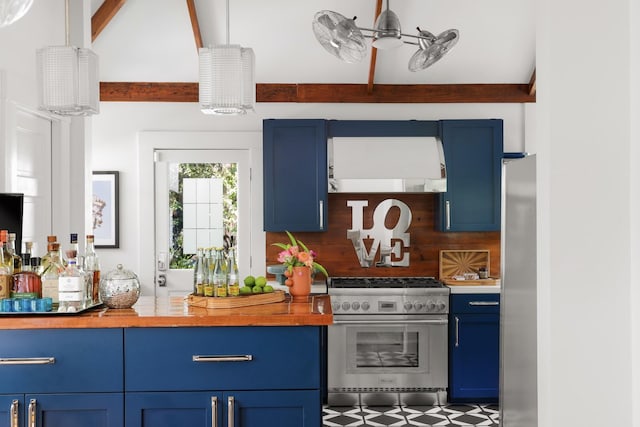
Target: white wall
<point>115,137</point>
<point>588,213</point>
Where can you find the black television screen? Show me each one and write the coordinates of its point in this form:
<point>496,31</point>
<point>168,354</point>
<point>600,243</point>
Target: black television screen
<point>11,208</point>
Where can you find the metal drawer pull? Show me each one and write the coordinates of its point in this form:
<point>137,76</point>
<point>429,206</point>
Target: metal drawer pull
<point>214,411</point>
<point>230,409</point>
<point>457,331</point>
<point>484,303</point>
<point>27,360</point>
<point>32,413</point>
<point>14,413</point>
<point>239,358</point>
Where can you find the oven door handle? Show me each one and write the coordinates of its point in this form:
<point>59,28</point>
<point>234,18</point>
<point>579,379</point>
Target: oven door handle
<point>391,322</point>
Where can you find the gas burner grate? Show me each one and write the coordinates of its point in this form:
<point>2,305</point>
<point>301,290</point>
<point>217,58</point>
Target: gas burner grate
<point>384,282</point>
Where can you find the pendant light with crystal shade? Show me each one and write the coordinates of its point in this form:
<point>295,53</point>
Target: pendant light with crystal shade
<point>227,81</point>
<point>12,10</point>
<point>67,77</point>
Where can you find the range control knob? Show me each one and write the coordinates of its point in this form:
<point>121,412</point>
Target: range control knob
<point>418,305</point>
<point>365,306</point>
<point>408,306</point>
<point>355,305</point>
<point>441,305</point>
<point>431,305</point>
<point>346,306</point>
<point>335,306</point>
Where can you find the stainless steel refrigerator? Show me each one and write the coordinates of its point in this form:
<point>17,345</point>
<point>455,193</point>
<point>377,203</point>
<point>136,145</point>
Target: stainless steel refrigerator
<point>518,300</point>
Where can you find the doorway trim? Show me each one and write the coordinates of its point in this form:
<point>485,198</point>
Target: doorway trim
<point>148,142</point>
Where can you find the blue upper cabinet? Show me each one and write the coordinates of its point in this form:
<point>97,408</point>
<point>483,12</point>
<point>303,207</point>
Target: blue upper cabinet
<point>473,153</point>
<point>295,175</point>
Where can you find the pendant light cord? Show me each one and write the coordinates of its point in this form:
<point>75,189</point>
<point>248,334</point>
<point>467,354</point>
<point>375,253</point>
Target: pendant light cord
<point>67,40</point>
<point>227,22</point>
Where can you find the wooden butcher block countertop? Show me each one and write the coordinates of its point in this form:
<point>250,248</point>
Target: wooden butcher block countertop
<point>175,312</point>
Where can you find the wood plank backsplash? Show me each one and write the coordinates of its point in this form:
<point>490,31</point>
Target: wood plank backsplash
<point>336,253</point>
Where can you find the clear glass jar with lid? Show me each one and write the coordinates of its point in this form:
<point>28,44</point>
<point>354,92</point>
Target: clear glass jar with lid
<point>119,288</point>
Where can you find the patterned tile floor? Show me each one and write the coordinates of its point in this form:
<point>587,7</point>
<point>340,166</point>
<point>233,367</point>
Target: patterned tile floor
<point>401,416</point>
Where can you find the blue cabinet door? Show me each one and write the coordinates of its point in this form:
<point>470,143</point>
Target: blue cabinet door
<point>295,175</point>
<point>74,410</point>
<point>296,408</point>
<point>272,408</point>
<point>474,347</point>
<point>473,153</point>
<point>173,409</point>
<point>11,410</point>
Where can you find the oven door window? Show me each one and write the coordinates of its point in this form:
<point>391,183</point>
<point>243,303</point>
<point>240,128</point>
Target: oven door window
<point>382,348</point>
<point>393,349</point>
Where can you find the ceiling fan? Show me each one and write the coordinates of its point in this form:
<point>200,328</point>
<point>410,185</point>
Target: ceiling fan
<point>341,37</point>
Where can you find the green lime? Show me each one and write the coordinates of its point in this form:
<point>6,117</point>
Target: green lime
<point>249,281</point>
<point>257,289</point>
<point>268,288</point>
<point>261,281</point>
<point>245,290</point>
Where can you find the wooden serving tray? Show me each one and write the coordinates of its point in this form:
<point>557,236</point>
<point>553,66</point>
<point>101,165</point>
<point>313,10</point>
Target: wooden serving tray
<point>479,282</point>
<point>456,263</point>
<point>235,302</point>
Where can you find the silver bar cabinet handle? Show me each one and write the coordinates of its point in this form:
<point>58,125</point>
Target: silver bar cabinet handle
<point>321,205</point>
<point>230,407</point>
<point>14,413</point>
<point>214,411</point>
<point>457,331</point>
<point>32,413</point>
<point>238,358</point>
<point>447,212</point>
<point>483,303</point>
<point>27,360</point>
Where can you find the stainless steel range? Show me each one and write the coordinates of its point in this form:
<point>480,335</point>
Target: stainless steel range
<point>388,343</point>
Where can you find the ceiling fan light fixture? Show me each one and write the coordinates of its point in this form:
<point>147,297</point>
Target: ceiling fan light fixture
<point>67,78</point>
<point>388,33</point>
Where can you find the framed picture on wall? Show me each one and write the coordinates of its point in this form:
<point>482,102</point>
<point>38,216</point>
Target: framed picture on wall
<point>105,209</point>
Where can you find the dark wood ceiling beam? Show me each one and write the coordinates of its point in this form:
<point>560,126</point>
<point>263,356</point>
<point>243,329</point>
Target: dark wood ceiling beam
<point>328,93</point>
<point>374,51</point>
<point>103,16</point>
<point>193,15</point>
<point>532,84</point>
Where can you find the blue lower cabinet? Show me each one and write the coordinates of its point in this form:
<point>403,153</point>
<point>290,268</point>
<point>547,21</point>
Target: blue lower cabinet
<point>474,362</point>
<point>299,408</point>
<point>62,410</point>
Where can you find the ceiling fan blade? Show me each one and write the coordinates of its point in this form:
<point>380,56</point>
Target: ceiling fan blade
<point>432,52</point>
<point>339,36</point>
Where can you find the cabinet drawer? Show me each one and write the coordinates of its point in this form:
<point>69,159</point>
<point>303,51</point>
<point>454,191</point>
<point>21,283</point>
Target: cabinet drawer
<point>61,360</point>
<point>475,303</point>
<point>166,359</point>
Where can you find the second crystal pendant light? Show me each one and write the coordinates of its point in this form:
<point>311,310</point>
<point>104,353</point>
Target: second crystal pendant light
<point>227,81</point>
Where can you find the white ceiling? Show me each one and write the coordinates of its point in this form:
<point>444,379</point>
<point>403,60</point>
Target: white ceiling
<point>152,40</point>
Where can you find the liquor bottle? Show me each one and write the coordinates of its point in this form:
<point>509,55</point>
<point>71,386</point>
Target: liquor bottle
<point>92,267</point>
<point>45,259</point>
<point>6,279</point>
<point>51,274</point>
<point>73,246</point>
<point>26,283</point>
<point>71,285</point>
<point>199,274</point>
<point>6,254</point>
<point>17,260</point>
<point>233,276</point>
<point>219,276</point>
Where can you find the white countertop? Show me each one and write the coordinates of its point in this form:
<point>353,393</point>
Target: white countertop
<point>483,289</point>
